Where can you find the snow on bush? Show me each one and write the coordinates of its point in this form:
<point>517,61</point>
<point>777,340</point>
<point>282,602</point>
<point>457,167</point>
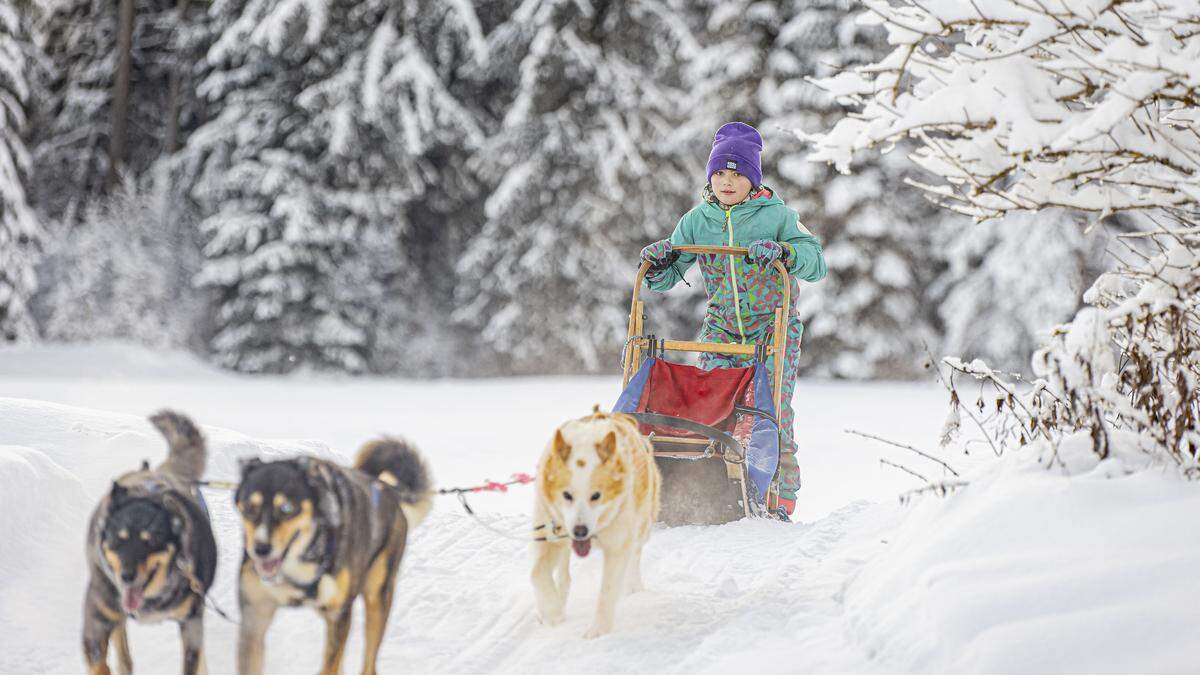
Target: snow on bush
<point>1077,104</point>
<point>124,271</point>
<point>1082,104</point>
<point>1129,362</point>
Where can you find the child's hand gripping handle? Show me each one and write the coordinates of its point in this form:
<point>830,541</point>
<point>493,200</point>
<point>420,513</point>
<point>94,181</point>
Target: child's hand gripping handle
<point>660,255</point>
<point>648,266</point>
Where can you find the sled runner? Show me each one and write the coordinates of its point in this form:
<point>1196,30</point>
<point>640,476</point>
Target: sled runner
<point>715,432</point>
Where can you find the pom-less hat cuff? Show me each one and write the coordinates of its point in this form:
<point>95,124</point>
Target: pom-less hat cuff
<point>740,164</point>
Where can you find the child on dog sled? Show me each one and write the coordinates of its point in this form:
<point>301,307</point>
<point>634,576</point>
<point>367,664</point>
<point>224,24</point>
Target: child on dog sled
<point>738,210</point>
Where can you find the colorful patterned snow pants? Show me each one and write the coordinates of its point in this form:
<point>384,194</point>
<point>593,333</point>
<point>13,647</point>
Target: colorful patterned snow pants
<point>789,470</point>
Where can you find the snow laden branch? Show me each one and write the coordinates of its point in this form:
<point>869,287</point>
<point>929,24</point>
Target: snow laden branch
<point>905,446</point>
<point>1084,105</point>
<point>941,487</point>
<point>1017,105</point>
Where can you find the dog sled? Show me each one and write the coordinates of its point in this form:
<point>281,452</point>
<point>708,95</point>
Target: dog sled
<point>715,433</point>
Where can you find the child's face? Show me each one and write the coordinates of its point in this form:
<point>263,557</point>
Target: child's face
<point>729,186</point>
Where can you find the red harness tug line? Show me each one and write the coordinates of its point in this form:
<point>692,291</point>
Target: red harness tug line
<point>490,485</point>
<point>496,486</point>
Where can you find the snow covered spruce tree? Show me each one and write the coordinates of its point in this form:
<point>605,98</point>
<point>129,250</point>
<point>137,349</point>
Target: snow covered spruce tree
<point>869,317</point>
<point>75,123</point>
<point>328,112</point>
<point>425,94</point>
<point>20,231</point>
<point>1083,105</point>
<point>580,178</point>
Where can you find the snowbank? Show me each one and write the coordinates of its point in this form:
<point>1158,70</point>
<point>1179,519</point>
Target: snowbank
<point>42,506</point>
<point>1032,570</point>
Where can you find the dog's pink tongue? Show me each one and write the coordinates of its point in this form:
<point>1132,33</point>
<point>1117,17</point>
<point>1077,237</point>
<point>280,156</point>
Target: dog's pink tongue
<point>582,547</point>
<point>132,598</point>
<point>268,568</point>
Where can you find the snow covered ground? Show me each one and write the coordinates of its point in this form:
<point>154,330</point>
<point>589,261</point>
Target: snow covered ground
<point>1025,571</point>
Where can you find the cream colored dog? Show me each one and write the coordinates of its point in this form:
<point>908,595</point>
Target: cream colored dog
<point>597,484</point>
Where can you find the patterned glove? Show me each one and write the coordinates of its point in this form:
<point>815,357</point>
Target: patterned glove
<point>764,252</point>
<point>659,254</point>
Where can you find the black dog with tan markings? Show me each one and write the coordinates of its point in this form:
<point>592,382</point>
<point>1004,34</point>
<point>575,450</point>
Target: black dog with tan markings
<point>319,535</point>
<point>151,552</point>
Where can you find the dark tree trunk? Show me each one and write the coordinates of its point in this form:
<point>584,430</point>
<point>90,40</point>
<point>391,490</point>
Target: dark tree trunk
<point>120,103</point>
<point>175,88</point>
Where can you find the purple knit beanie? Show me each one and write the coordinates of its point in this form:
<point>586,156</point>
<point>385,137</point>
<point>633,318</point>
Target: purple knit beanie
<point>737,146</point>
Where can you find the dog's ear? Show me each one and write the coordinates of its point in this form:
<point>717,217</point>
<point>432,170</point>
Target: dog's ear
<point>246,465</point>
<point>117,495</point>
<point>320,480</point>
<point>561,449</point>
<point>607,447</point>
<point>314,472</point>
<point>615,471</point>
<point>249,464</point>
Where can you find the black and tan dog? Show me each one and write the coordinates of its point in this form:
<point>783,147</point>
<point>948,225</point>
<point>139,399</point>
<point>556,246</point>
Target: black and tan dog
<point>151,552</point>
<point>318,534</point>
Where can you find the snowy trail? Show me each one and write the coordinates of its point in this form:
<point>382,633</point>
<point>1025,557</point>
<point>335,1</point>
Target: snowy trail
<point>716,599</point>
<point>708,590</point>
<point>717,596</point>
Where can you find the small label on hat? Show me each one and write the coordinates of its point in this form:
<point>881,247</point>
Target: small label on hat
<point>731,165</point>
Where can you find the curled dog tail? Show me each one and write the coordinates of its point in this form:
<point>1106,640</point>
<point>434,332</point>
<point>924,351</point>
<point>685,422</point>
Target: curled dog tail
<point>398,464</point>
<point>188,454</point>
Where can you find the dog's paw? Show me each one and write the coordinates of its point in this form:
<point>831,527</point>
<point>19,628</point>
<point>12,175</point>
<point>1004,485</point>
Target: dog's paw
<point>596,631</point>
<point>550,618</point>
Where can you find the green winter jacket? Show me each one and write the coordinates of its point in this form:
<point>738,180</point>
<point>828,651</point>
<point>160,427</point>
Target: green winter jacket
<point>729,280</point>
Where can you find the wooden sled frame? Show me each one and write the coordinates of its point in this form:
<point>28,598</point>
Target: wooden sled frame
<point>637,345</point>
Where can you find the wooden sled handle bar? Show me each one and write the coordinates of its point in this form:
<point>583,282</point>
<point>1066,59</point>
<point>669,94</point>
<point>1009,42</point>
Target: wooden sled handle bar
<point>719,250</point>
